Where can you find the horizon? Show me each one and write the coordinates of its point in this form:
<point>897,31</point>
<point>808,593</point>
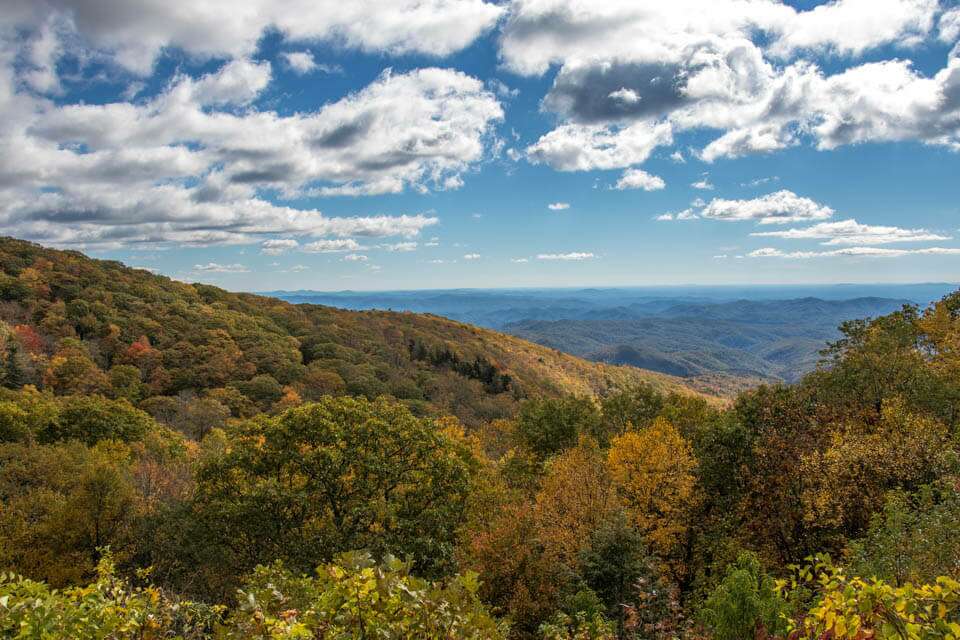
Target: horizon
<point>487,144</point>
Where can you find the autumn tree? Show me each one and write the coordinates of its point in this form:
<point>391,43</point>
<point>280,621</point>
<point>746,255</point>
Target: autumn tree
<point>654,471</point>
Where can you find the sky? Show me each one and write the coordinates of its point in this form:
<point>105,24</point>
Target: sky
<point>374,145</point>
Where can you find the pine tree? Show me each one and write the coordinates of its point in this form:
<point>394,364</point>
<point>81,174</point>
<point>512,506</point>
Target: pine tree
<point>13,375</point>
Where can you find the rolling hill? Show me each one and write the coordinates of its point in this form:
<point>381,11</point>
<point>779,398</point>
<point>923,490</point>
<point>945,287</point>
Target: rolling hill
<point>74,324</point>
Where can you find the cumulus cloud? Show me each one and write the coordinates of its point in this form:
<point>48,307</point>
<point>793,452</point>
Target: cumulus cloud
<point>275,247</point>
<point>471,256</point>
<point>851,232</point>
<point>191,164</point>
<point>573,256</point>
<point>864,252</point>
<point>702,184</point>
<point>627,66</point>
<point>558,206</point>
<point>355,257</point>
<point>575,147</point>
<point>774,208</point>
<point>134,34</point>
<point>519,260</point>
<point>640,179</point>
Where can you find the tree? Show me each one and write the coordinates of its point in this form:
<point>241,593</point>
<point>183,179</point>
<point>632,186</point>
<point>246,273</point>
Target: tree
<point>913,539</point>
<point>615,564</point>
<point>198,416</point>
<point>549,426</point>
<point>654,470</point>
<point>91,419</point>
<point>72,371</point>
<point>62,504</point>
<point>635,407</point>
<point>576,496</point>
<point>331,476</point>
<point>746,604</point>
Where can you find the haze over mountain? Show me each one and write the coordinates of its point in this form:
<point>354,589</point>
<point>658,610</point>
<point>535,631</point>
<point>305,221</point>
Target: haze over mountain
<point>740,332</point>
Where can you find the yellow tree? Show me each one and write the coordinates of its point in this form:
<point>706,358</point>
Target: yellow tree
<point>654,471</point>
<point>576,496</point>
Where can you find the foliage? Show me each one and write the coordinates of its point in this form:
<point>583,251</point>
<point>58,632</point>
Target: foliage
<point>654,470</point>
<point>549,426</point>
<point>913,539</point>
<point>331,476</point>
<point>745,604</point>
<point>108,608</point>
<point>854,607</point>
<point>579,627</point>
<point>355,597</point>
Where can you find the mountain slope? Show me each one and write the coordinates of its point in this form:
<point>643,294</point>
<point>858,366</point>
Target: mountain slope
<point>75,324</point>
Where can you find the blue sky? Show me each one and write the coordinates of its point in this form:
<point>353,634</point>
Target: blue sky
<point>421,143</point>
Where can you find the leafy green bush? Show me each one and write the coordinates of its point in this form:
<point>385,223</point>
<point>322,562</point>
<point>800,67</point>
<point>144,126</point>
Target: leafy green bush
<point>744,603</point>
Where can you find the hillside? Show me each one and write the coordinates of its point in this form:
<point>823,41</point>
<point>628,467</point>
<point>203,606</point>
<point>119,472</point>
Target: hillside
<point>75,324</point>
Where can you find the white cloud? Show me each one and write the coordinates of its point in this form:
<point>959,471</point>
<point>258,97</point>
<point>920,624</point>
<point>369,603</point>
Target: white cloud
<point>702,184</point>
<point>134,34</point>
<point>502,89</point>
<point>237,82</point>
<point>677,157</point>
<point>399,246</point>
<point>851,232</point>
<point>949,25</point>
<point>686,214</point>
<point>178,169</point>
<point>213,267</point>
<point>756,182</point>
<point>332,245</point>
<point>573,256</point>
<point>558,206</point>
<point>640,179</point>
<point>276,247</point>
<point>850,27</point>
<point>575,147</point>
<point>861,252</point>
<point>355,257</point>
<point>519,260</point>
<point>301,62</point>
<point>471,256</point>
<point>628,66</point>
<point>774,208</point>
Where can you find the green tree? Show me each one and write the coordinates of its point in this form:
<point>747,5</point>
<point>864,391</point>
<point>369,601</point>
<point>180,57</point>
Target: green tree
<point>746,604</point>
<point>331,476</point>
<point>549,426</point>
<point>91,419</point>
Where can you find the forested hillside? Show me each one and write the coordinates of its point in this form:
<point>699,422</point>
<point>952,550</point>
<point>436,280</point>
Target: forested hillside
<point>76,325</point>
<point>180,462</point>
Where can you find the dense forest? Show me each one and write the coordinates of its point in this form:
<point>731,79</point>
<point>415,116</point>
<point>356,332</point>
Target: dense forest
<point>177,461</point>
